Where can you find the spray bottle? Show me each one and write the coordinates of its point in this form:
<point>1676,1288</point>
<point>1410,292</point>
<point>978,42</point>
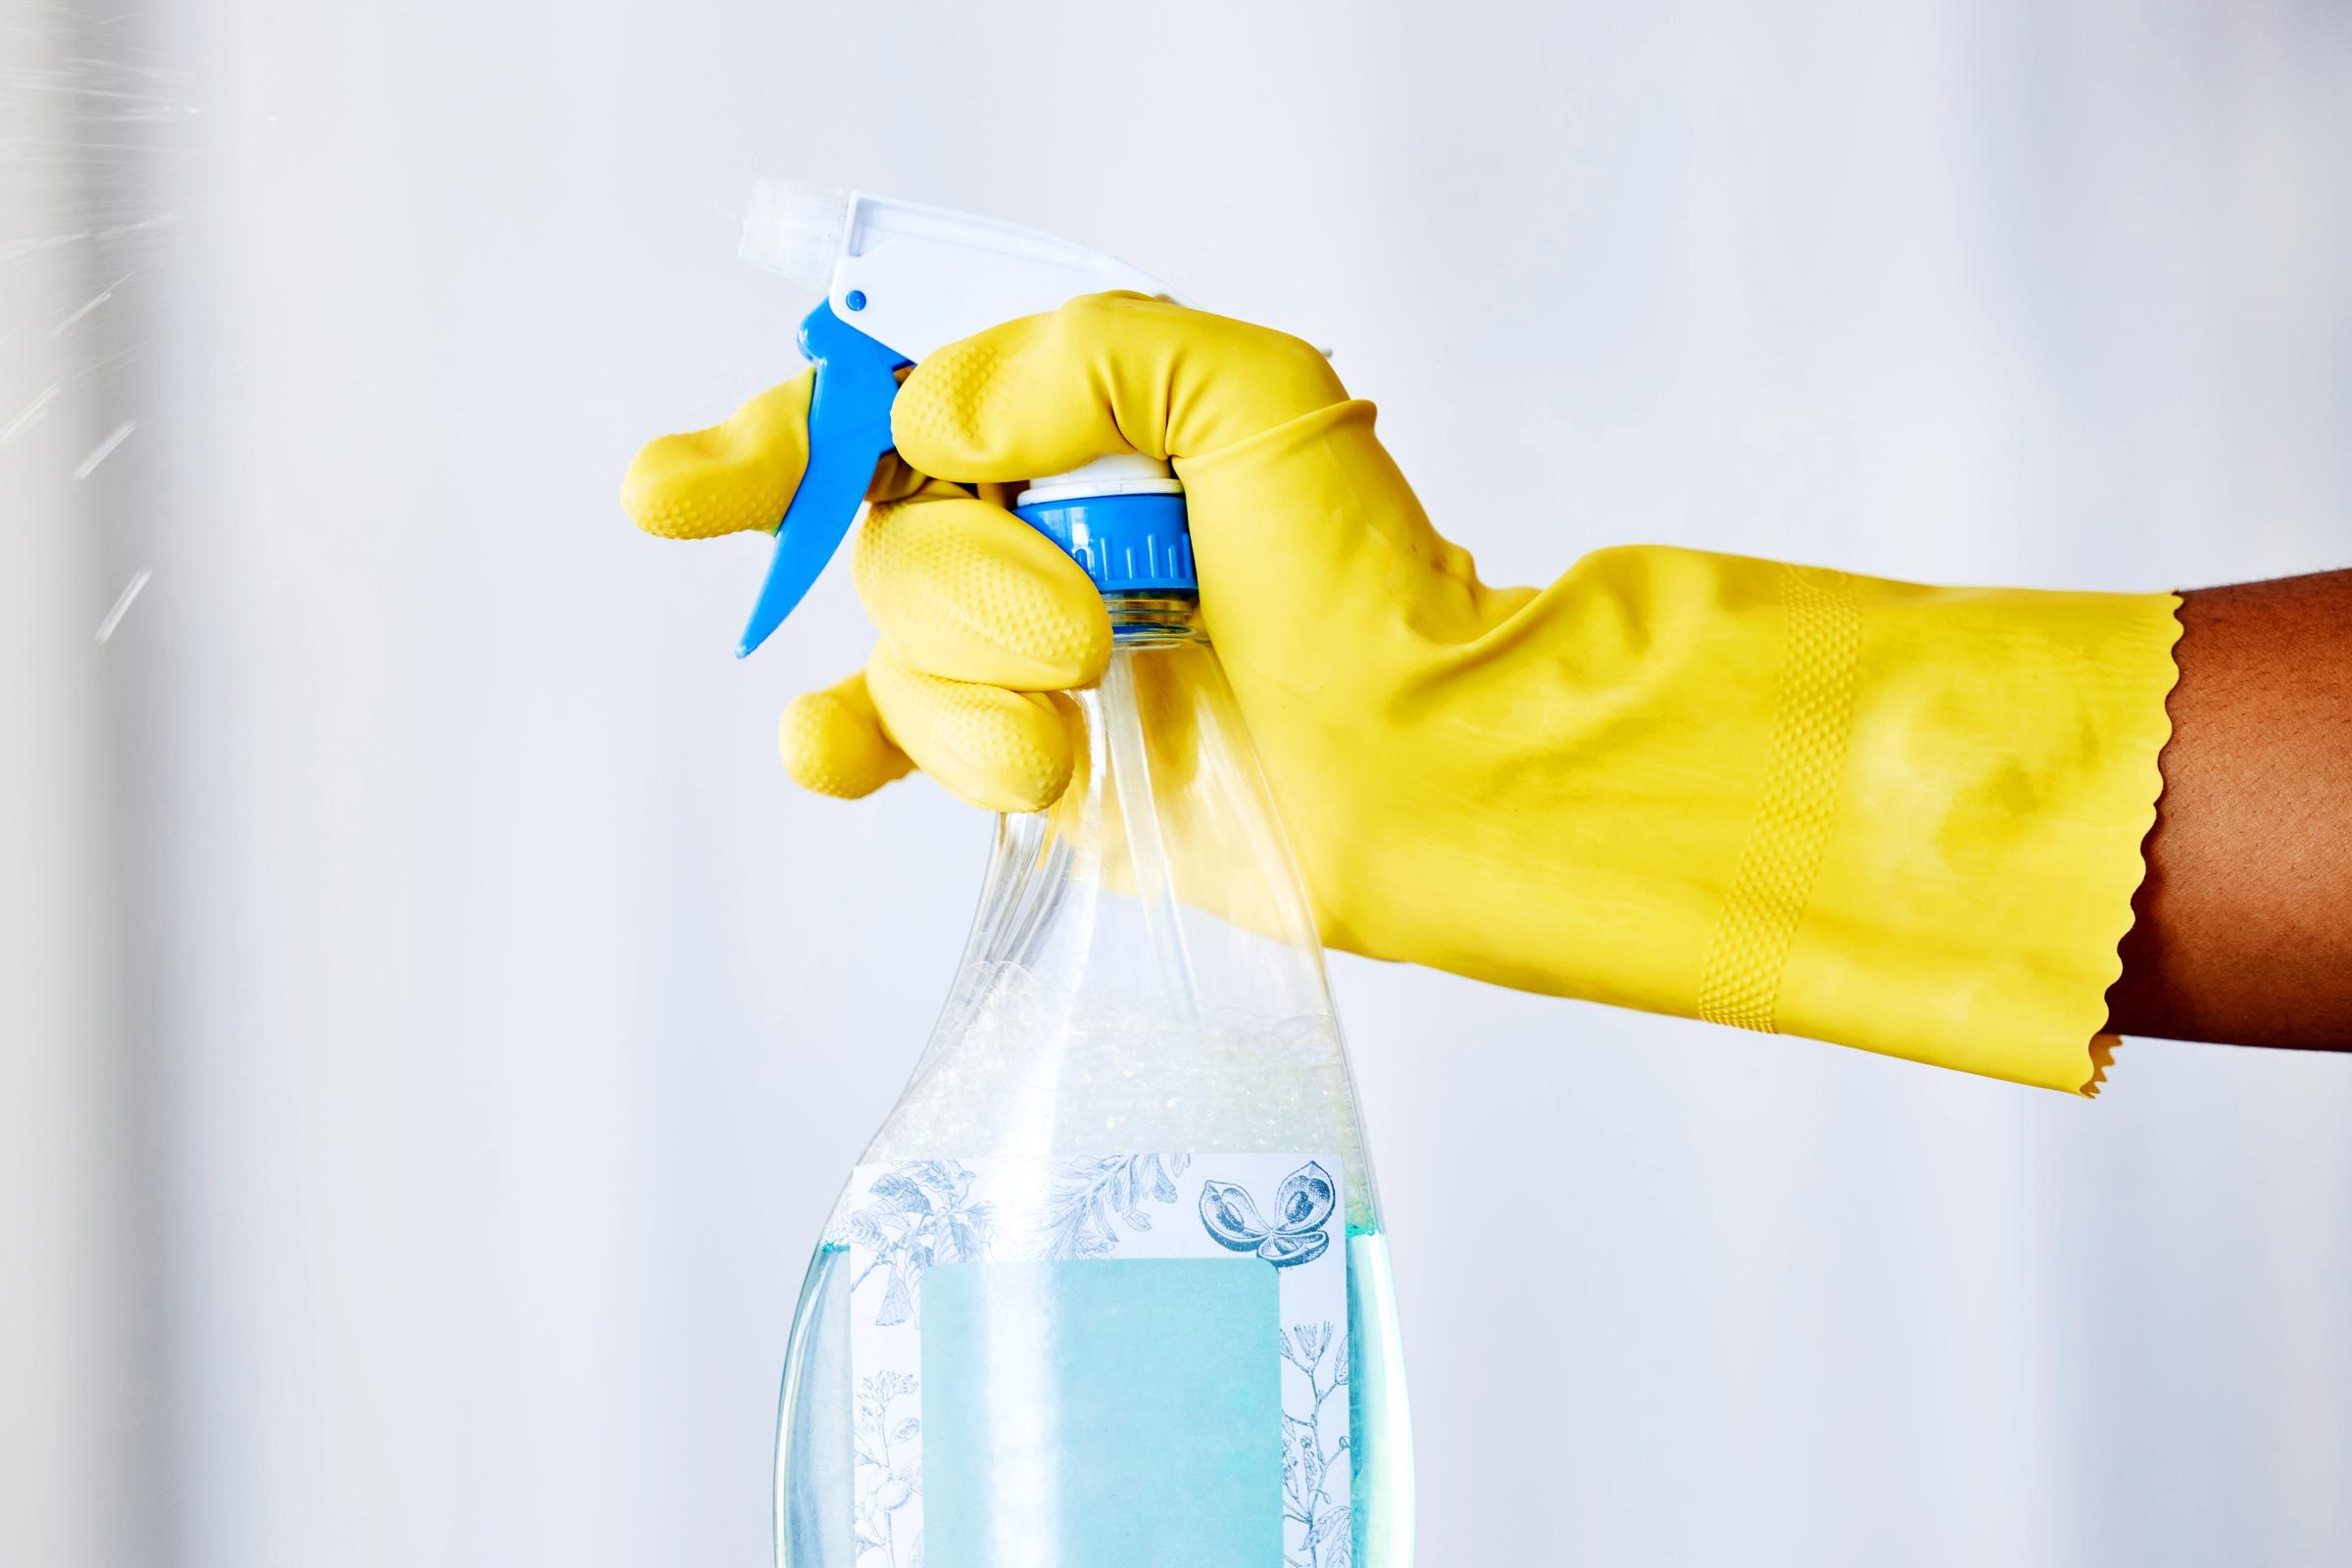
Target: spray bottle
<point>1109,1288</point>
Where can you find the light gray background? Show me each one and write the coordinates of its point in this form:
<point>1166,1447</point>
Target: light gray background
<point>436,1029</point>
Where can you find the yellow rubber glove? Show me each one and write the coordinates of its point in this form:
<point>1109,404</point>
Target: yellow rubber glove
<point>1782,798</point>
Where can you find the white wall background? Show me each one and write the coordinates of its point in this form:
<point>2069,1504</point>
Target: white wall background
<point>511,1022</point>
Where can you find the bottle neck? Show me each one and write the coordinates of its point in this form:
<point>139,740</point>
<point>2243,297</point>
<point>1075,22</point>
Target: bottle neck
<point>1154,615</point>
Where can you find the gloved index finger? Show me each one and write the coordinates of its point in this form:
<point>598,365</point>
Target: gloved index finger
<point>1106,373</point>
<point>739,475</point>
<point>735,476</point>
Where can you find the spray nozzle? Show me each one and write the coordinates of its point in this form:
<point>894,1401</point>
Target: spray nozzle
<point>794,228</point>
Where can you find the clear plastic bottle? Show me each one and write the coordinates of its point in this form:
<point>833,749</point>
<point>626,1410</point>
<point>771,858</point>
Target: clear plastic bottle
<point>1100,1237</point>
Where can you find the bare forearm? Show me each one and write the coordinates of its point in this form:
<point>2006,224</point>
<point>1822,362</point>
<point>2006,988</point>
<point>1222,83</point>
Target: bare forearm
<point>2243,928</point>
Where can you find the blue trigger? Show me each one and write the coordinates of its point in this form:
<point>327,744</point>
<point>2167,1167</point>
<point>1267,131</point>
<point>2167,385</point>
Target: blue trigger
<point>849,431</point>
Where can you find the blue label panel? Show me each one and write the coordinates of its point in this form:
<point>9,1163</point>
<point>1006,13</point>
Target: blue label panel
<point>1100,1412</point>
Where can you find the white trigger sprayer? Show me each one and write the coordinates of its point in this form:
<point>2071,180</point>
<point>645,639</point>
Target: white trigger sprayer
<point>899,281</point>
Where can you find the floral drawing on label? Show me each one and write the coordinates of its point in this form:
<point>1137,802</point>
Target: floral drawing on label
<point>1303,1205</point>
<point>1092,1196</point>
<point>1311,1458</point>
<point>922,1214</point>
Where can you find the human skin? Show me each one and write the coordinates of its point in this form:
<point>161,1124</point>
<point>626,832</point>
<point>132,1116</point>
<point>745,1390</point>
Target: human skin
<point>2242,930</point>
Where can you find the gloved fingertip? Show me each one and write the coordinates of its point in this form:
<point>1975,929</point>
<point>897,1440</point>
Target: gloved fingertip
<point>648,494</point>
<point>1030,783</point>
<point>1009,763</point>
<point>732,478</point>
<point>1004,751</point>
<point>945,409</point>
<point>963,591</point>
<point>1091,647</point>
<point>832,743</point>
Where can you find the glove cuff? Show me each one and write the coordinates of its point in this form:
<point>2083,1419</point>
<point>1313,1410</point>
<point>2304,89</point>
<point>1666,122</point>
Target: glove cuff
<point>1948,827</point>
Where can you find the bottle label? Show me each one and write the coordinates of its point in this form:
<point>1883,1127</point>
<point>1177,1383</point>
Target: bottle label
<point>1100,1360</point>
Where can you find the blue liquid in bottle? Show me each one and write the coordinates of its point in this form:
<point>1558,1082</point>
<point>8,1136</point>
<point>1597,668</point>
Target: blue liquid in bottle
<point>1143,974</point>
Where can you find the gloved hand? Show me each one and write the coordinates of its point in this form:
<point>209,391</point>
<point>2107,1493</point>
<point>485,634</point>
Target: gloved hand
<point>1789,799</point>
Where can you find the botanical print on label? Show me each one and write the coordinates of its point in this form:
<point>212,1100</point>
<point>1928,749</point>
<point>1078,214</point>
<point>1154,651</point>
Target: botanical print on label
<point>900,1221</point>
